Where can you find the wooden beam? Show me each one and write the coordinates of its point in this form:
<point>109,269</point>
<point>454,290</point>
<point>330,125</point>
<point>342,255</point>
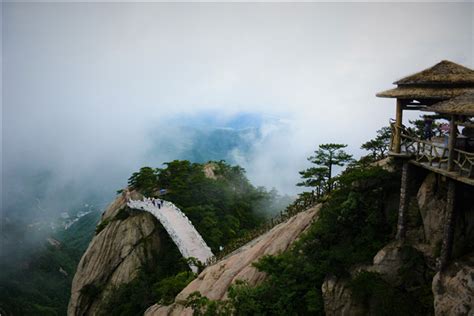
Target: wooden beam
<point>414,108</point>
<point>402,209</point>
<point>465,124</point>
<point>398,127</point>
<point>452,174</point>
<point>450,223</point>
<point>451,142</point>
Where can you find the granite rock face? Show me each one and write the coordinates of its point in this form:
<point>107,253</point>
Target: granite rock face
<point>215,280</point>
<point>432,205</point>
<point>388,261</point>
<point>453,290</point>
<point>128,241</point>
<point>338,300</point>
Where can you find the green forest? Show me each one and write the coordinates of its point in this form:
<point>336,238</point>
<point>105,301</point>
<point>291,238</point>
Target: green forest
<point>38,286</point>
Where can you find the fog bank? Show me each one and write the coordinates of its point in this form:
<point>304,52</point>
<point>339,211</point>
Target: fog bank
<point>90,89</point>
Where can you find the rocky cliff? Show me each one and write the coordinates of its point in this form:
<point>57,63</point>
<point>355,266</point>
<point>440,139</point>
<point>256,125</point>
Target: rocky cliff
<point>215,280</point>
<point>126,241</point>
<point>453,290</point>
<point>412,264</point>
<point>133,255</point>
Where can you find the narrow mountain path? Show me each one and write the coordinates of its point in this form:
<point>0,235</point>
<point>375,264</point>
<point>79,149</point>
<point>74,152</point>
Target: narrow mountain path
<point>179,227</point>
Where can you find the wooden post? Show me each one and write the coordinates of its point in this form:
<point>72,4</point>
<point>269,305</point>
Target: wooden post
<point>450,223</point>
<point>402,210</point>
<point>451,142</point>
<point>397,139</point>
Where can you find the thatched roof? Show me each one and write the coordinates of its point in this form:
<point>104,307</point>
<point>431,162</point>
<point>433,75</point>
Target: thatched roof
<point>443,81</point>
<point>461,105</point>
<point>424,93</point>
<point>444,72</point>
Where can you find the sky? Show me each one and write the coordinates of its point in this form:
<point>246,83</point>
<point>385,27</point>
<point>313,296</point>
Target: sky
<point>84,84</point>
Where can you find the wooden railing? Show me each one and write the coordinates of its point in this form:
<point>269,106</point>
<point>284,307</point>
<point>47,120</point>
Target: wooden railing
<point>437,154</point>
<point>464,161</point>
<point>434,154</point>
<point>395,129</point>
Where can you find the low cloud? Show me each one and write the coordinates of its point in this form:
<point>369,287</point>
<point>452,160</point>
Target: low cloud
<point>89,90</point>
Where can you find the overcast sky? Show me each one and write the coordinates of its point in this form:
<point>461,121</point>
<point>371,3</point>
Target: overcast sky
<point>84,83</point>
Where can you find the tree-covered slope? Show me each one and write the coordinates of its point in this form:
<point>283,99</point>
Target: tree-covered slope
<point>218,199</point>
<point>41,285</point>
<point>222,206</point>
<point>355,222</point>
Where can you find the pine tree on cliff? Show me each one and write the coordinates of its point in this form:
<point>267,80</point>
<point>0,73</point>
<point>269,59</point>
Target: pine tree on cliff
<point>379,145</point>
<point>315,177</point>
<point>146,180</point>
<point>326,157</point>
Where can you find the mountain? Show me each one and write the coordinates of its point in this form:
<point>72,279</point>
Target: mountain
<point>37,207</point>
<point>215,281</point>
<point>131,253</point>
<point>207,136</point>
<point>347,261</point>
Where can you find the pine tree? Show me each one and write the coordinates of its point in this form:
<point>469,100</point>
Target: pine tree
<point>315,177</point>
<point>327,156</point>
<point>380,144</point>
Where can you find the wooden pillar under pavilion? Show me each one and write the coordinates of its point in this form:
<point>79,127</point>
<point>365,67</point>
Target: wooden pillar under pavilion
<point>451,142</point>
<point>402,210</point>
<point>450,223</point>
<point>397,137</point>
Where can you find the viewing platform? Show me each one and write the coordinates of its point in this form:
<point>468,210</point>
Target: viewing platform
<point>447,91</point>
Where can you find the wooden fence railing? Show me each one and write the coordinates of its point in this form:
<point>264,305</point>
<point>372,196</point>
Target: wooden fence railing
<point>393,127</point>
<point>464,161</point>
<point>437,155</point>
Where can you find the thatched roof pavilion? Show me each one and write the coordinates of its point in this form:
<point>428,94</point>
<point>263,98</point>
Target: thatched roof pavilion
<point>447,89</point>
<point>442,81</point>
<point>461,105</point>
<point>444,72</point>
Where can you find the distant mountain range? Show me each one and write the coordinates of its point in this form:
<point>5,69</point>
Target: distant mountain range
<point>207,136</point>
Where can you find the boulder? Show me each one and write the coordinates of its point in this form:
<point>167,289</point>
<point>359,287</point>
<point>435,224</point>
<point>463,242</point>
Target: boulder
<point>388,261</point>
<point>338,299</point>
<point>401,265</point>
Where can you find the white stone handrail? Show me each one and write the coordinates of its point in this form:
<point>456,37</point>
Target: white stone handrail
<point>179,227</point>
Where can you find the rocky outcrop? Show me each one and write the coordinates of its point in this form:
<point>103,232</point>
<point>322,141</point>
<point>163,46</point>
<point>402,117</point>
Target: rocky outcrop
<point>338,300</point>
<point>453,289</point>
<point>127,241</point>
<point>215,280</point>
<point>432,206</point>
<point>402,265</point>
<point>209,170</point>
<point>388,261</point>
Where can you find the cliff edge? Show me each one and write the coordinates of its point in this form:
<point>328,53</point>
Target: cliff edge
<point>125,242</point>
